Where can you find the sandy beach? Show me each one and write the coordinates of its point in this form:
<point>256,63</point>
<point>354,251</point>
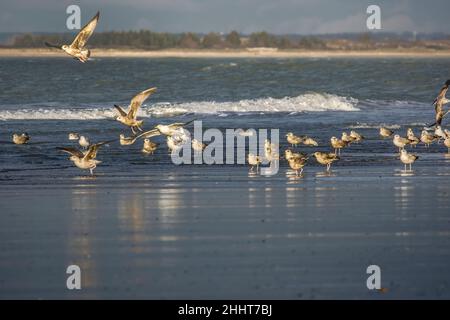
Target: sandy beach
<point>252,53</point>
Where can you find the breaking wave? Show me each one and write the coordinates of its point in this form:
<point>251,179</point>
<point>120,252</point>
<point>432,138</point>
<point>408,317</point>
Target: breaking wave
<point>310,102</point>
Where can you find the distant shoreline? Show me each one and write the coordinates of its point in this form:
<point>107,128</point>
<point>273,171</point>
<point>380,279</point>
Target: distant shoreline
<point>253,53</point>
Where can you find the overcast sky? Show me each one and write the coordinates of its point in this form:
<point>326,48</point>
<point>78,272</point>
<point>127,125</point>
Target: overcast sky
<point>276,16</point>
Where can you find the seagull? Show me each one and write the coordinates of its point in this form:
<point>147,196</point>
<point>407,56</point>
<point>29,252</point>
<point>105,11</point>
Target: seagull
<point>270,151</point>
<point>407,158</point>
<point>20,138</point>
<point>326,158</point>
<point>125,141</point>
<point>356,136</point>
<point>439,103</point>
<point>85,160</point>
<point>149,146</point>
<point>84,142</point>
<point>173,128</point>
<point>385,132</point>
<point>293,139</point>
<point>310,142</point>
<point>337,145</point>
<point>347,138</point>
<point>77,48</point>
<point>447,143</point>
<point>400,142</point>
<point>253,161</point>
<point>174,143</point>
<point>439,133</point>
<point>74,136</point>
<point>289,155</point>
<point>427,138</point>
<point>297,164</point>
<point>198,146</point>
<point>130,118</point>
<point>412,138</point>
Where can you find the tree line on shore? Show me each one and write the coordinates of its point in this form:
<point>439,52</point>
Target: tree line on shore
<point>149,40</point>
<point>145,39</point>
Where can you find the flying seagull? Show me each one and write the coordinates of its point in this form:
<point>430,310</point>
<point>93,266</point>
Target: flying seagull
<point>77,48</point>
<point>130,118</point>
<point>85,160</point>
<point>124,141</point>
<point>439,103</point>
<point>173,128</point>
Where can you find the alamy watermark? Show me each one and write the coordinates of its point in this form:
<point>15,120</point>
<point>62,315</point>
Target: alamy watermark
<point>73,21</point>
<point>373,22</point>
<point>73,281</point>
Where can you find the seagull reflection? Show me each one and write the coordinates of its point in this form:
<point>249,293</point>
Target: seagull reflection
<point>79,245</point>
<point>324,174</point>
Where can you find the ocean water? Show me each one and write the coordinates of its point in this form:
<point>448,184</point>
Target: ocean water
<point>320,97</point>
<point>145,228</point>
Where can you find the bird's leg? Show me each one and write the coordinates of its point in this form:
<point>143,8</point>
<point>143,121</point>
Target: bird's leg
<point>405,167</point>
<point>139,128</point>
<point>301,171</point>
<point>335,151</point>
<point>328,167</point>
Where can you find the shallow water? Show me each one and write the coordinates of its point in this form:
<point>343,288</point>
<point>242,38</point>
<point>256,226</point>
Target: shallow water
<point>145,228</point>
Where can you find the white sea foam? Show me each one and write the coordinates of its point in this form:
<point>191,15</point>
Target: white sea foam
<point>374,126</point>
<point>311,102</point>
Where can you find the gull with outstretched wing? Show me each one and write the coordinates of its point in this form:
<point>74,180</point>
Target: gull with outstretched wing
<point>87,159</point>
<point>77,49</point>
<point>129,118</point>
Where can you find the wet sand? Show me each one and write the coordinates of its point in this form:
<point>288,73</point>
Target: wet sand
<point>251,53</point>
<point>218,232</point>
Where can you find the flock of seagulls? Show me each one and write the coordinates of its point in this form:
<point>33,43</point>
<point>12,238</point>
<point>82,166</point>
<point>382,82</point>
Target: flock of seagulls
<point>177,136</point>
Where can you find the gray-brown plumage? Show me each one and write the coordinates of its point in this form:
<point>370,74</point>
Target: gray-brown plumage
<point>297,164</point>
<point>129,118</point>
<point>326,158</point>
<point>20,138</point>
<point>439,103</point>
<point>77,48</point>
<point>85,160</point>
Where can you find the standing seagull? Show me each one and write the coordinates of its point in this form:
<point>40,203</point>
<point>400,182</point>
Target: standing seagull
<point>411,137</point>
<point>407,158</point>
<point>77,48</point>
<point>130,118</point>
<point>326,158</point>
<point>85,160</point>
<point>439,103</point>
<point>84,142</point>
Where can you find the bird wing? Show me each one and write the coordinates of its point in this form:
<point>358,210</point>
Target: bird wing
<point>137,101</point>
<point>92,151</point>
<point>441,94</point>
<point>149,134</point>
<point>121,111</point>
<point>72,151</point>
<point>85,33</point>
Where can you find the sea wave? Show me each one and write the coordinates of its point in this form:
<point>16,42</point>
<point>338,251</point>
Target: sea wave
<point>310,102</point>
